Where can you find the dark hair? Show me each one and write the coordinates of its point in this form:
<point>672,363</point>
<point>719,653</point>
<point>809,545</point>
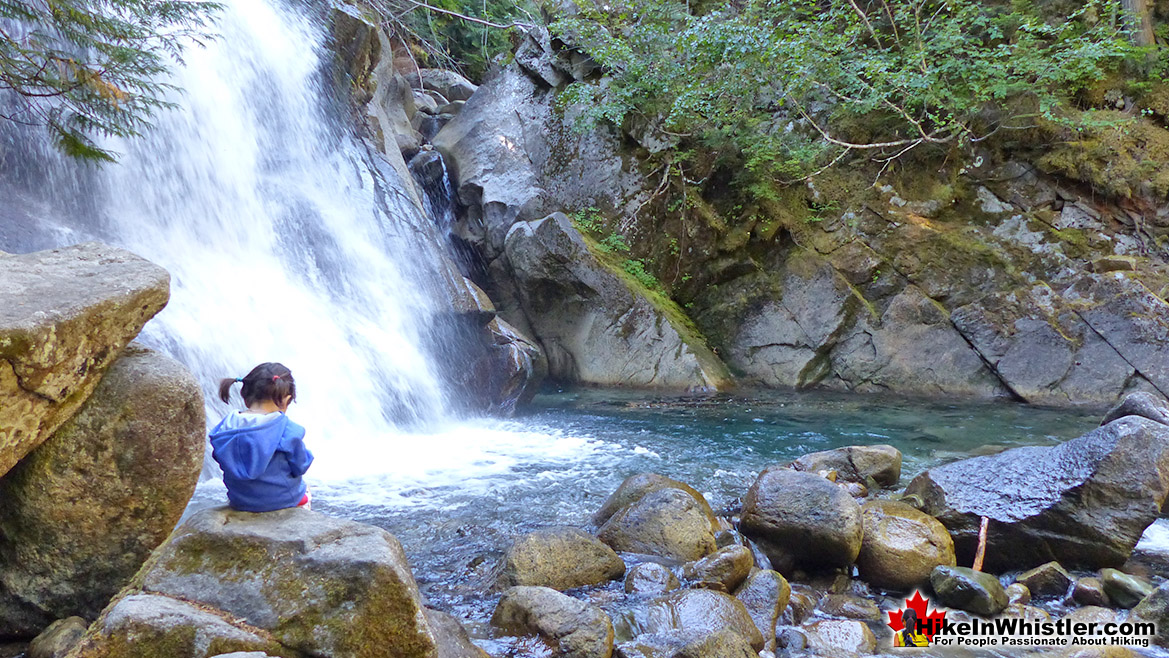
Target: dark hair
<point>267,381</point>
<point>906,617</point>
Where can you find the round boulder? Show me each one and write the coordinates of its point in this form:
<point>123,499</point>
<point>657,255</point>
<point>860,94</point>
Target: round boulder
<point>967,589</point>
<point>857,464</point>
<point>724,569</point>
<point>901,545</point>
<point>1123,589</point>
<point>800,520</point>
<point>572,628</point>
<point>636,486</point>
<point>840,638</point>
<point>765,595</point>
<point>698,610</point>
<point>667,523</point>
<point>560,558</point>
<point>1046,580</point>
<point>650,579</point>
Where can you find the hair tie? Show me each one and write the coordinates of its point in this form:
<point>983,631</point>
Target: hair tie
<point>239,379</point>
<point>275,377</point>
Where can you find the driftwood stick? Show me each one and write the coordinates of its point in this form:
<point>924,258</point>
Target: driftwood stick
<point>980,554</point>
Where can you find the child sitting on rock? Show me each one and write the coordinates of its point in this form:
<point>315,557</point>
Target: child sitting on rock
<point>260,450</point>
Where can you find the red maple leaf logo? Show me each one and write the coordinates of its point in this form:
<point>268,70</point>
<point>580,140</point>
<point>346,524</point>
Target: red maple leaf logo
<point>929,622</point>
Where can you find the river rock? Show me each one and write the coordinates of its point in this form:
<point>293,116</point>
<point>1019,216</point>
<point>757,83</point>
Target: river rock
<point>58,639</point>
<point>1145,405</point>
<point>453,640</point>
<point>1084,503</point>
<point>1124,590</point>
<point>597,324</point>
<point>846,606</point>
<point>967,589</point>
<point>882,463</point>
<point>650,579</point>
<point>727,567</point>
<point>802,520</point>
<point>1090,591</point>
<point>687,644</point>
<point>698,610</point>
<point>572,628</point>
<point>839,638</point>
<point>901,545</point>
<point>635,486</point>
<point>765,595</point>
<point>66,314</point>
<point>1155,608</point>
<point>560,558</point>
<point>1018,594</point>
<point>667,523</point>
<point>312,583</point>
<point>1046,580</point>
<point>801,603</point>
<point>83,511</point>
<point>150,625</point>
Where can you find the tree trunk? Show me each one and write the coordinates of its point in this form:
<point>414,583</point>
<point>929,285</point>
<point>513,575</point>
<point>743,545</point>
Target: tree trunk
<point>1141,15</point>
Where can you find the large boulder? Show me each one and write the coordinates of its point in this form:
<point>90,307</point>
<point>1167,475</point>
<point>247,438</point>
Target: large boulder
<point>802,520</point>
<point>724,569</point>
<point>571,628</point>
<point>560,558</point>
<point>650,579</point>
<point>667,523</point>
<point>687,644</point>
<point>449,84</point>
<point>765,595</point>
<point>82,512</point>
<point>1141,404</point>
<point>597,324</point>
<point>901,545</point>
<point>882,463</point>
<point>635,486</point>
<point>967,589</point>
<point>305,582</point>
<point>1083,503</point>
<point>66,314</point>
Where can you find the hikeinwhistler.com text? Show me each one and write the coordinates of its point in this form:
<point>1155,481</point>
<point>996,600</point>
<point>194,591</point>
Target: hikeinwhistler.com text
<point>1015,632</point>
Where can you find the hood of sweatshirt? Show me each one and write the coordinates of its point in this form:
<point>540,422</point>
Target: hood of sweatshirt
<point>244,443</point>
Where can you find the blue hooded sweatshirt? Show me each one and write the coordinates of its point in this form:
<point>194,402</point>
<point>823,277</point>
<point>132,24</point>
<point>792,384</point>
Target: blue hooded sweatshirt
<point>263,458</point>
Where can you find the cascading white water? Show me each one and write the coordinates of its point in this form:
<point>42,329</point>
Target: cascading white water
<point>286,241</point>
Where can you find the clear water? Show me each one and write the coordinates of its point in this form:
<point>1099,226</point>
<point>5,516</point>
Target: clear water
<point>479,485</point>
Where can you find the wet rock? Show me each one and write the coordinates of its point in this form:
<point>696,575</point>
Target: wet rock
<point>1046,580</point>
<point>598,325</point>
<point>687,644</point>
<point>882,463</point>
<point>451,637</point>
<point>840,638</point>
<point>1145,405</point>
<point>845,606</point>
<point>765,595</point>
<point>801,602</point>
<point>1084,503</point>
<point>1155,608</point>
<point>1124,590</point>
<point>634,487</point>
<point>150,625</point>
<point>66,315</point>
<point>58,639</point>
<point>312,583</point>
<point>700,610</point>
<point>667,523</point>
<point>449,84</point>
<point>1018,594</point>
<point>572,628</point>
<point>901,545</point>
<point>82,512</point>
<point>967,589</point>
<point>560,558</point>
<point>1025,612</point>
<point>792,639</point>
<point>650,579</point>
<point>1090,591</point>
<point>1090,614</point>
<point>727,567</point>
<point>801,520</point>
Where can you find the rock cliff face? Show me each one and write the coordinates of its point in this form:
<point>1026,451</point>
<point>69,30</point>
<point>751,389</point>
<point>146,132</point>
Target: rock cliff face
<point>997,281</point>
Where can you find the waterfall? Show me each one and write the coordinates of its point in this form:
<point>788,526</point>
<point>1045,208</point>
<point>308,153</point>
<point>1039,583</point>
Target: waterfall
<point>285,238</point>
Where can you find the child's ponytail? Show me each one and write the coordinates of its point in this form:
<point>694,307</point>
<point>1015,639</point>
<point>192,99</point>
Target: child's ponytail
<point>225,387</point>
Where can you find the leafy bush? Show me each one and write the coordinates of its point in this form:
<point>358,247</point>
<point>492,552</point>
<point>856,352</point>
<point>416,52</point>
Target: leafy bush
<point>793,86</point>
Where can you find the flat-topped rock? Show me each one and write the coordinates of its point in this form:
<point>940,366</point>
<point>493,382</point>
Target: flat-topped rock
<point>65,315</point>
